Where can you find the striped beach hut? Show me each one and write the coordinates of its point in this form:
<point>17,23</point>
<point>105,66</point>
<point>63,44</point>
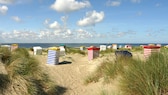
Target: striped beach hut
<point>148,50</point>
<point>53,55</point>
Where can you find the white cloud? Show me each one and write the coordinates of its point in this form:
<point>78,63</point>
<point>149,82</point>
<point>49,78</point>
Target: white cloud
<point>91,18</point>
<point>136,1</point>
<point>46,21</point>
<point>69,5</point>
<point>54,25</point>
<point>19,36</point>
<point>3,9</point>
<point>129,32</point>
<point>6,1</point>
<point>64,19</point>
<point>113,3</point>
<point>82,34</point>
<point>67,34</point>
<point>16,18</point>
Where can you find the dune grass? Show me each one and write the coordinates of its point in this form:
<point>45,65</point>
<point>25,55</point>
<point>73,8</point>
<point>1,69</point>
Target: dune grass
<point>107,51</point>
<point>25,71</point>
<point>147,78</point>
<point>75,50</point>
<point>4,82</point>
<point>5,54</point>
<point>108,70</point>
<point>137,77</point>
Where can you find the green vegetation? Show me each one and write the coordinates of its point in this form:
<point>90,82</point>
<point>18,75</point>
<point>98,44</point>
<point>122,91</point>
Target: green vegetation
<point>109,70</point>
<point>4,82</point>
<point>149,77</point>
<point>75,50</point>
<point>5,54</point>
<point>25,73</point>
<point>107,51</point>
<point>137,48</point>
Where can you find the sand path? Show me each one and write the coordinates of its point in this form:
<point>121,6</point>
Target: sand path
<point>72,76</point>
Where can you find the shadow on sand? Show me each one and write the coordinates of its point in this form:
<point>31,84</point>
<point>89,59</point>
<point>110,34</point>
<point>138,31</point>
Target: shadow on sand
<point>64,62</point>
<point>57,90</point>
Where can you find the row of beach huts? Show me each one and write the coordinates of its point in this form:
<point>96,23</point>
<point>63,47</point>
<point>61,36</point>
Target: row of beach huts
<point>53,53</point>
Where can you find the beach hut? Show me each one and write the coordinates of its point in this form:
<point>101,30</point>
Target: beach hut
<point>128,46</point>
<point>109,46</point>
<point>158,45</point>
<point>6,46</point>
<point>103,47</point>
<point>120,46</point>
<point>62,50</point>
<point>114,46</point>
<point>37,50</point>
<point>93,52</point>
<point>166,46</point>
<point>14,46</point>
<point>53,55</point>
<point>148,50</point>
<point>82,48</point>
<point>151,44</point>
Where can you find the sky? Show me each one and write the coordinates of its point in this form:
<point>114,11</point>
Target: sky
<point>83,21</point>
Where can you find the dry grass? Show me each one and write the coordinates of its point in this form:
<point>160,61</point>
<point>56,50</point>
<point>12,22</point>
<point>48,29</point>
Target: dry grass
<point>25,73</point>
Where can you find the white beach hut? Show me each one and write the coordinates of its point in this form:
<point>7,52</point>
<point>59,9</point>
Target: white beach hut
<point>6,46</point>
<point>62,50</point>
<point>103,47</point>
<point>37,50</point>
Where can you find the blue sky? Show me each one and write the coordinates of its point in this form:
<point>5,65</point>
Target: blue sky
<point>83,21</point>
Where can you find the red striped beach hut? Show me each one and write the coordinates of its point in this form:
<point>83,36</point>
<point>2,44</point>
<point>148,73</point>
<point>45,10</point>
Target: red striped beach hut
<point>148,50</point>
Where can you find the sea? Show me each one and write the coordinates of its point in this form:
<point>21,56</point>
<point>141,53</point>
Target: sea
<point>76,45</point>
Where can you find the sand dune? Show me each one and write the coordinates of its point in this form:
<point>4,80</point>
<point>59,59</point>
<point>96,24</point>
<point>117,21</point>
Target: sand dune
<point>71,76</point>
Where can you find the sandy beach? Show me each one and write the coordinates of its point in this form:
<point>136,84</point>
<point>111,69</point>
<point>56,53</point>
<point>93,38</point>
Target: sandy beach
<point>70,77</point>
